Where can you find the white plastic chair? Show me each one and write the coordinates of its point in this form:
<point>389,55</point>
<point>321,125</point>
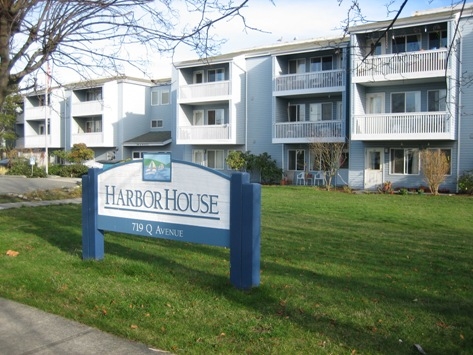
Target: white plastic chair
<point>300,178</point>
<point>319,177</point>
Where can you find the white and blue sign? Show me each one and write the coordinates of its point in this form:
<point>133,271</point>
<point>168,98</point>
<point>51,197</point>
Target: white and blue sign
<point>163,198</point>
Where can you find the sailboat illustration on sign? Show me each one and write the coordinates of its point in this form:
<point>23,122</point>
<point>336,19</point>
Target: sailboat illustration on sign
<point>157,167</point>
<point>151,169</point>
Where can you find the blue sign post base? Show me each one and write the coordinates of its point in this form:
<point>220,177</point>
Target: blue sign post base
<point>242,236</point>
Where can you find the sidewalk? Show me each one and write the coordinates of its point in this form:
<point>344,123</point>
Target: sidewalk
<point>27,330</point>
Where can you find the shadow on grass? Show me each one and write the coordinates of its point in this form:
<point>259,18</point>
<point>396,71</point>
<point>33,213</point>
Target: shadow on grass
<point>317,304</point>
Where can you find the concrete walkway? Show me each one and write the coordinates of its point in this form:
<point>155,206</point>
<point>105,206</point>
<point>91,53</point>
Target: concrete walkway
<point>27,330</point>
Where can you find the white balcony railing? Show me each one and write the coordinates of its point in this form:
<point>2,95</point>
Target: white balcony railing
<point>205,90</point>
<point>36,141</point>
<point>87,108</point>
<point>90,139</point>
<point>35,113</point>
<point>402,63</point>
<point>312,80</point>
<point>421,125</point>
<point>208,132</point>
<point>310,131</point>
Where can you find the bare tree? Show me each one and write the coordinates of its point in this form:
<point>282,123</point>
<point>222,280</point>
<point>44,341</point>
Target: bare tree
<point>89,35</point>
<point>435,167</point>
<point>329,157</point>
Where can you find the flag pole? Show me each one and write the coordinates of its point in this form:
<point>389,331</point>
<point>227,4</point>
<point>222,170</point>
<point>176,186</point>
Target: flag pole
<point>46,117</point>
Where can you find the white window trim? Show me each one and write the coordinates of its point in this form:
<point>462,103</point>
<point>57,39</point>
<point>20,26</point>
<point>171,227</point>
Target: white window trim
<point>319,105</point>
<point>219,113</point>
<point>195,113</point>
<point>155,94</point>
<point>219,165</point>
<point>417,100</point>
<point>216,70</point>
<point>159,123</point>
<point>194,76</point>
<point>404,173</point>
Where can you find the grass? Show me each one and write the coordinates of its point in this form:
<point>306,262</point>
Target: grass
<point>340,274</point>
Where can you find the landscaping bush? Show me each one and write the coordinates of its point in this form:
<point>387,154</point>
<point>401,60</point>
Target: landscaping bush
<point>73,170</point>
<point>465,182</point>
<point>22,167</point>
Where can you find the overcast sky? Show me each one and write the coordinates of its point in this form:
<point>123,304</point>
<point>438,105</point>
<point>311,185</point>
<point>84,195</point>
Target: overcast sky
<point>286,20</point>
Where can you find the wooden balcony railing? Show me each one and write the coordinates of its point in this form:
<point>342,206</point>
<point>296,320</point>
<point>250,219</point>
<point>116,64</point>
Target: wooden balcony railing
<point>402,63</point>
<point>312,80</point>
<point>87,108</point>
<point>206,132</point>
<point>310,131</point>
<point>205,90</point>
<point>402,125</point>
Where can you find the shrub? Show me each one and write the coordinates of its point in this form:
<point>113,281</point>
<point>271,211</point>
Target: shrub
<point>465,182</point>
<point>22,167</point>
<point>3,170</point>
<point>73,170</point>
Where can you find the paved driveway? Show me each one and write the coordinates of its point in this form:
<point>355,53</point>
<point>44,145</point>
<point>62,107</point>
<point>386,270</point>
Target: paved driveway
<point>19,184</point>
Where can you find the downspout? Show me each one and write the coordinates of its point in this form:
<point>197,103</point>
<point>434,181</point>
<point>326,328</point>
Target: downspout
<point>458,112</point>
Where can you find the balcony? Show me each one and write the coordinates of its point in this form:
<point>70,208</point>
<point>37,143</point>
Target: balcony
<point>90,139</point>
<point>87,108</point>
<point>330,80</point>
<point>207,134</point>
<point>409,65</point>
<point>403,126</point>
<point>214,91</point>
<point>36,141</point>
<point>35,113</point>
<point>307,132</point>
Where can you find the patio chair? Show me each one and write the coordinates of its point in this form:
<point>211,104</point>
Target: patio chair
<point>300,178</point>
<point>318,177</point>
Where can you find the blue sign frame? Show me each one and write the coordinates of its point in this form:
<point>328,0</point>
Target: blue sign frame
<point>242,237</point>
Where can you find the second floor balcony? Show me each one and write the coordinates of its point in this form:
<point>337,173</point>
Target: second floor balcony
<point>204,134</point>
<point>329,80</point>
<point>408,65</point>
<point>95,139</point>
<point>403,126</point>
<point>35,113</point>
<point>87,108</point>
<point>213,91</point>
<point>309,131</point>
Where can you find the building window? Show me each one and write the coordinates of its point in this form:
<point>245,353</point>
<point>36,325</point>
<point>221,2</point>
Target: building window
<point>94,94</point>
<point>198,118</point>
<point>198,77</point>
<point>297,66</point>
<point>198,156</point>
<point>156,123</point>
<point>215,159</point>
<point>93,126</point>
<point>137,155</point>
<point>405,102</point>
<point>409,43</point>
<point>296,113</point>
<point>321,63</point>
<point>405,161</point>
<point>215,117</point>
<point>321,112</point>
<point>41,129</point>
<point>438,39</point>
<point>296,159</point>
<point>159,97</point>
<point>215,75</point>
<point>165,97</point>
<point>437,100</point>
<point>154,98</point>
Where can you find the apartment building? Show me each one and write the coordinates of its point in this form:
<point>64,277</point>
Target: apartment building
<point>118,118</point>
<point>408,95</point>
<point>387,91</point>
<point>275,99</point>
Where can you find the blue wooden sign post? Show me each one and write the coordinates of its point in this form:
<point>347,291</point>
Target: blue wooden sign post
<point>162,198</point>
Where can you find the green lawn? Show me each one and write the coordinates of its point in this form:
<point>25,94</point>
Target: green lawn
<point>340,274</point>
